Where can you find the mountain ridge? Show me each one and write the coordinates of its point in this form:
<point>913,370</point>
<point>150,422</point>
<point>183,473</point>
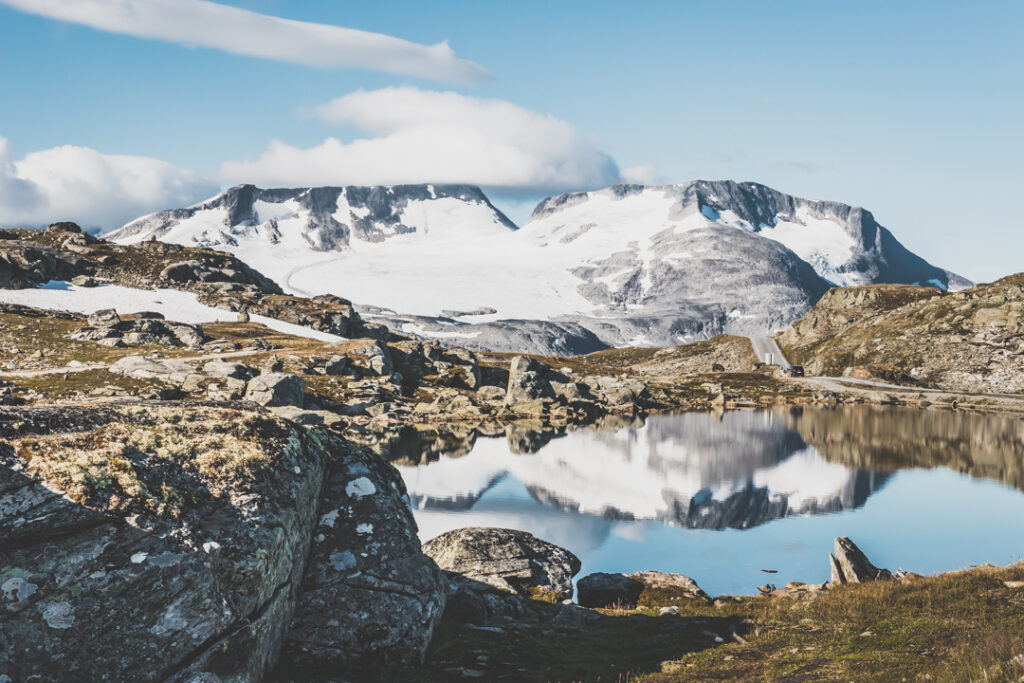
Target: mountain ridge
<point>625,265</point>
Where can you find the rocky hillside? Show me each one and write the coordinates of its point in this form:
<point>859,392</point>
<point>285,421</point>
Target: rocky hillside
<point>628,265</point>
<point>64,253</point>
<point>971,340</point>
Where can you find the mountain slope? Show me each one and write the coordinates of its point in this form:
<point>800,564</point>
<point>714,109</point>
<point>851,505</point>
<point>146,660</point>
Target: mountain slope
<point>627,265</point>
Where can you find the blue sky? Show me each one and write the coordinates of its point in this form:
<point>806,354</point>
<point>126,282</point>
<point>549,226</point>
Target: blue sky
<point>910,109</point>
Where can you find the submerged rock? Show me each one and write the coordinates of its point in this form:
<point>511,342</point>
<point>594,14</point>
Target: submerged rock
<point>512,560</point>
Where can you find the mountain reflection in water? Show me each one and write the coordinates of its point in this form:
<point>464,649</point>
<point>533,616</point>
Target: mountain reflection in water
<point>731,473</point>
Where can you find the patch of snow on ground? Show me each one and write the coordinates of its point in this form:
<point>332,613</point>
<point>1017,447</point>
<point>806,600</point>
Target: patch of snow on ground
<point>173,304</point>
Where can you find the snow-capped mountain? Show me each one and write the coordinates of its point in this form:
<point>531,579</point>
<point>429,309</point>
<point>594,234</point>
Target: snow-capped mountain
<point>630,264</point>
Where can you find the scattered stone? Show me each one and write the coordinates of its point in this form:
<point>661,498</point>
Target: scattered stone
<point>527,381</point>
<point>491,394</point>
<point>225,368</point>
<point>276,389</point>
<point>104,318</point>
<point>602,589</point>
<point>850,565</point>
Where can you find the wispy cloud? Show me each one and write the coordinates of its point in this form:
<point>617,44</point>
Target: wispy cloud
<point>239,31</point>
<point>416,136</point>
<point>96,190</point>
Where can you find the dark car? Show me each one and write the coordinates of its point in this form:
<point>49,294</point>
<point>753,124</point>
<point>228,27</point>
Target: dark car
<point>795,370</point>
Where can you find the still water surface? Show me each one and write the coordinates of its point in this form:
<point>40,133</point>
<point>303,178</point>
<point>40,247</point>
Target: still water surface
<point>719,498</point>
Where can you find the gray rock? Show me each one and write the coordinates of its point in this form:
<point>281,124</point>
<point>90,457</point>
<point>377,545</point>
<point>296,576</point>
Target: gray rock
<point>373,356</point>
<point>491,393</point>
<point>602,589</point>
<point>625,590</point>
<point>336,365</point>
<point>182,271</point>
<point>146,368</point>
<point>226,368</point>
<point>104,318</point>
<point>276,389</point>
<point>369,595</point>
<point>527,381</point>
<point>849,564</point>
<point>93,567</point>
<point>227,389</point>
<point>508,559</point>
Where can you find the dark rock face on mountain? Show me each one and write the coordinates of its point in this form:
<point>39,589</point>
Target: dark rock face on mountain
<point>874,254</point>
<point>135,545</point>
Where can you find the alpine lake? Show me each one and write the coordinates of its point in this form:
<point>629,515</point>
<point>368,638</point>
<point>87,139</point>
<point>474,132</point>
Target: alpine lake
<point>739,499</point>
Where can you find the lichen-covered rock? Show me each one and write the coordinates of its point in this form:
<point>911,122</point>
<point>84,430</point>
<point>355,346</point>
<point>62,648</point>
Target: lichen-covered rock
<point>508,559</point>
<point>169,543</point>
<point>104,318</point>
<point>369,593</point>
<point>276,389</point>
<point>137,545</point>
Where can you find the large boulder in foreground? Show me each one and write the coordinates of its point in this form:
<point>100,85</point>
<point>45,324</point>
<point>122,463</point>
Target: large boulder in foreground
<point>641,588</point>
<point>369,593</point>
<point>141,546</point>
<point>512,560</point>
<point>849,564</point>
<point>168,542</point>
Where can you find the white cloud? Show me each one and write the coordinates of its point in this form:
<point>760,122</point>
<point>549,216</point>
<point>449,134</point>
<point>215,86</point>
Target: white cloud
<point>239,31</point>
<point>93,189</point>
<point>440,137</point>
<point>641,175</point>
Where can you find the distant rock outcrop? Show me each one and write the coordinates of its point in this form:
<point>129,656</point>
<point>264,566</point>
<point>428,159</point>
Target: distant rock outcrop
<point>971,340</point>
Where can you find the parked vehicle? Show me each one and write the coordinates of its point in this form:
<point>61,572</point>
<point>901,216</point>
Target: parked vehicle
<point>795,370</point>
